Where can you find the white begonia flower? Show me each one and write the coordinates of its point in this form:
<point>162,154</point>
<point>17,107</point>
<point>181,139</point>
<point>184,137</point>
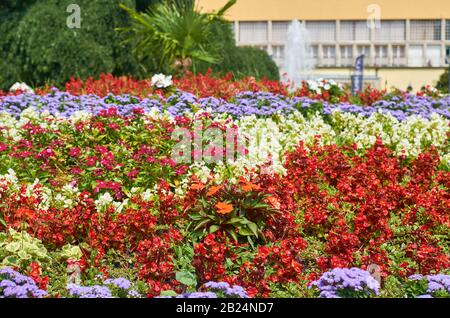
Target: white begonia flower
<point>161,81</point>
<point>103,201</point>
<point>119,206</point>
<point>80,116</point>
<point>312,85</point>
<point>21,87</point>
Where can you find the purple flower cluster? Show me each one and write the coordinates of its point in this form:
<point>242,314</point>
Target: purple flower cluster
<point>436,283</point>
<point>16,285</point>
<point>243,104</point>
<point>64,104</point>
<point>399,107</point>
<point>89,291</point>
<point>347,282</point>
<point>198,295</point>
<point>227,290</point>
<point>121,283</point>
<point>98,291</point>
<point>215,290</point>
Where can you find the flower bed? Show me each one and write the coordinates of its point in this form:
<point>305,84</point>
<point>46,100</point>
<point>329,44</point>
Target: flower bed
<point>255,193</point>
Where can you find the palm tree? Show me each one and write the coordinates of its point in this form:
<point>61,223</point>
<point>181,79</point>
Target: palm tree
<point>175,33</point>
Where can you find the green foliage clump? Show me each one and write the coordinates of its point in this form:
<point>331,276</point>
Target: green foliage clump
<point>37,47</point>
<point>442,84</point>
<point>40,47</point>
<point>240,61</point>
<point>19,249</point>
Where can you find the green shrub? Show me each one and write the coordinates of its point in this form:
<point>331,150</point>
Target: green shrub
<point>241,61</point>
<point>42,49</point>
<point>38,48</point>
<point>442,84</point>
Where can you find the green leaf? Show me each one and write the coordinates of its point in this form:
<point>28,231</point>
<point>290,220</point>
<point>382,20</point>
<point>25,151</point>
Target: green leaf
<point>245,231</point>
<point>235,220</point>
<point>202,224</point>
<point>169,293</point>
<point>13,247</point>
<point>233,234</point>
<point>213,228</point>
<point>10,260</point>
<point>186,278</point>
<point>254,228</point>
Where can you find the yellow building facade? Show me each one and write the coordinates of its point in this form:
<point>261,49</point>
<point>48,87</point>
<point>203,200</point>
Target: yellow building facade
<point>405,42</point>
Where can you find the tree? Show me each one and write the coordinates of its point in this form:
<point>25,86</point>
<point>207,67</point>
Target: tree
<point>38,47</point>
<point>240,61</point>
<point>442,84</point>
<point>174,34</point>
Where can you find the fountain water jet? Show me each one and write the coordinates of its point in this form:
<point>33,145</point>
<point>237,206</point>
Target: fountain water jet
<point>299,59</point>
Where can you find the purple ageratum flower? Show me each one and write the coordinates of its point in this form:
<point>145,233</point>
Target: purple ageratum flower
<point>198,295</point>
<point>134,294</point>
<point>16,285</point>
<point>416,277</point>
<point>89,291</point>
<point>121,283</point>
<point>438,282</point>
<point>216,285</point>
<point>243,104</point>
<point>425,296</point>
<point>340,280</point>
<point>235,291</point>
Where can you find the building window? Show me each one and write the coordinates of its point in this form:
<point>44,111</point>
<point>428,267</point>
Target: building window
<point>391,31</point>
<point>363,49</point>
<point>263,47</point>
<point>253,32</point>
<point>346,55</point>
<point>447,30</point>
<point>321,31</point>
<point>279,31</point>
<point>399,55</point>
<point>381,55</point>
<point>315,52</point>
<point>278,53</point>
<point>329,55</point>
<point>354,31</point>
<point>433,55</point>
<point>426,30</point>
<point>415,56</point>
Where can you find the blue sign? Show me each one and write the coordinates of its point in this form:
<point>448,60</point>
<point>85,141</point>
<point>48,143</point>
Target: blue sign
<point>358,76</point>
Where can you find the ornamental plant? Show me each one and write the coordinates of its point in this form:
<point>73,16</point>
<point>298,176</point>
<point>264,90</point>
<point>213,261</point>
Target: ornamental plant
<point>181,33</point>
<point>211,290</point>
<point>20,250</point>
<point>429,286</point>
<point>347,283</point>
<point>16,285</point>
<point>239,210</point>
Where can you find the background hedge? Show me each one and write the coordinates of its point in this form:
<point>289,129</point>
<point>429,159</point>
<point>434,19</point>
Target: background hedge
<point>442,84</point>
<point>37,47</point>
<point>241,61</point>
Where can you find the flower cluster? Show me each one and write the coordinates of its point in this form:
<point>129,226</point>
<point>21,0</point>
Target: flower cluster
<point>21,87</point>
<point>111,288</point>
<point>214,290</point>
<point>306,183</point>
<point>161,81</point>
<point>347,283</point>
<point>16,285</point>
<point>435,285</point>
